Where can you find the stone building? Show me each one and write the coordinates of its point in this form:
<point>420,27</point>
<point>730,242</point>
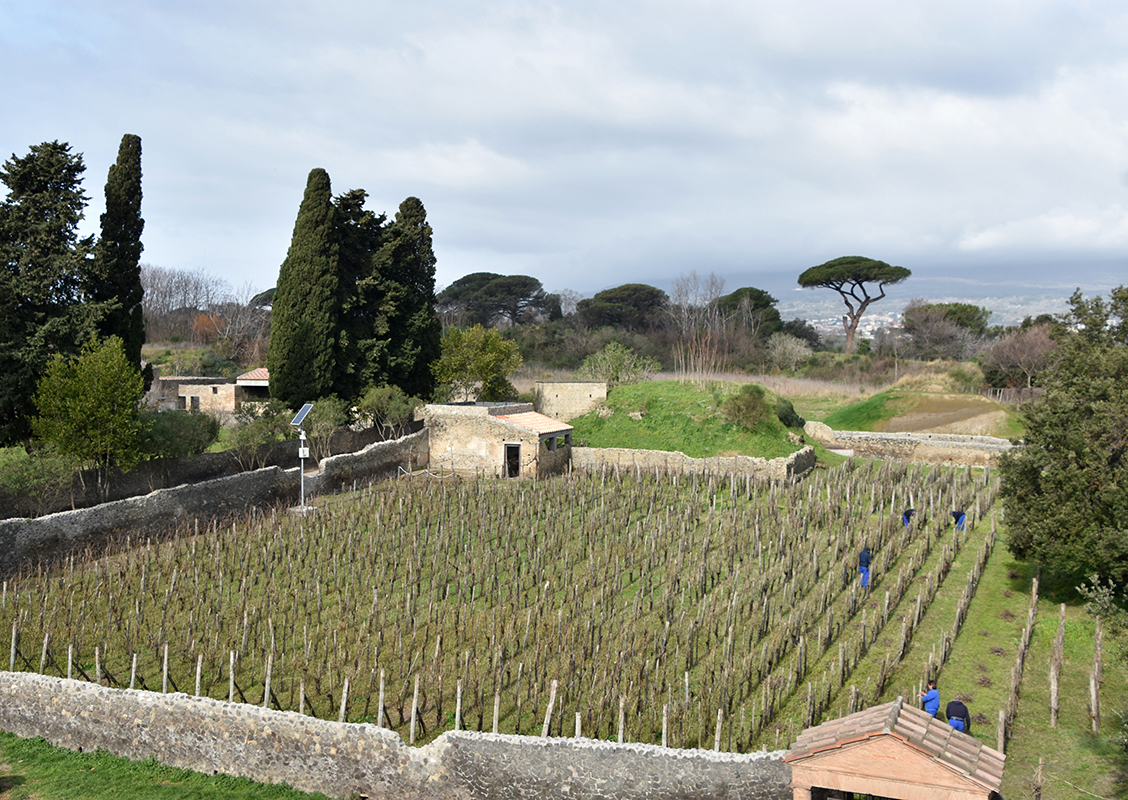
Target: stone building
<point>565,400</point>
<point>506,440</point>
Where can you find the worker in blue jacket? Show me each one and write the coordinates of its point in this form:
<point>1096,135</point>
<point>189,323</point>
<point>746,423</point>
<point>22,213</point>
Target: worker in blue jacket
<point>864,559</point>
<point>930,699</point>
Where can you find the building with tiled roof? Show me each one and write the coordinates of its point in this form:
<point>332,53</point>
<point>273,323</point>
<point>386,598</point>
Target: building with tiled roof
<point>893,750</point>
<point>507,440</point>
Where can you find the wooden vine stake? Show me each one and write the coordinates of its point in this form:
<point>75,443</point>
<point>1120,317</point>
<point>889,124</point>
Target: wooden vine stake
<point>1055,667</point>
<point>199,671</point>
<point>548,711</point>
<point>414,712</point>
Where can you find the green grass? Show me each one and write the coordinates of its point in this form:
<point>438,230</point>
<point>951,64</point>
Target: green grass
<point>864,415</point>
<point>31,769</point>
<point>677,416</point>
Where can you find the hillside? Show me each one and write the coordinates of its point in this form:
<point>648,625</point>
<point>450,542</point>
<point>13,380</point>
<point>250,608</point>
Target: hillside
<point>900,410</point>
<point>677,416</point>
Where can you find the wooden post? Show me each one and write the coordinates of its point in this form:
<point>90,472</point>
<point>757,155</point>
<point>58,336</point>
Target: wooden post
<point>199,671</point>
<point>380,708</point>
<point>164,671</point>
<point>666,723</point>
<point>231,678</point>
<point>717,738</point>
<point>12,657</point>
<point>622,718</point>
<point>414,712</point>
<point>301,700</point>
<point>97,666</point>
<point>458,705</point>
<point>266,683</point>
<point>345,698</point>
<point>133,672</point>
<point>1094,702</point>
<point>1055,667</point>
<point>548,711</point>
<point>43,653</point>
<point>579,725</point>
<point>497,709</point>
<point>70,662</point>
<point>517,695</point>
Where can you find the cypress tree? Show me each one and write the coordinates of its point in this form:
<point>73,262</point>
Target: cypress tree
<point>305,323</point>
<point>406,264</point>
<point>360,234</point>
<point>116,277</point>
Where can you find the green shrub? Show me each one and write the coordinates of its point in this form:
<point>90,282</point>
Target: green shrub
<point>787,414</point>
<point>172,434</point>
<point>748,407</point>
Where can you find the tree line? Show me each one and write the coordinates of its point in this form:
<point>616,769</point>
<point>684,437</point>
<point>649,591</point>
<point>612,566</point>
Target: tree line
<point>59,291</point>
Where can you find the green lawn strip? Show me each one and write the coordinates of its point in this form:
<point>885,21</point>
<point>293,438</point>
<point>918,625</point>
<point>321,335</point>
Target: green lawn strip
<point>1072,754</point>
<point>31,769</point>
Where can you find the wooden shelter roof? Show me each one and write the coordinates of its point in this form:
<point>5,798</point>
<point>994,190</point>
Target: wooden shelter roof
<point>915,729</point>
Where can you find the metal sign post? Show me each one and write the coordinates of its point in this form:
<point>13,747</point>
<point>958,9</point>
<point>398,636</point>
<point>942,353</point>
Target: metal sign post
<point>303,451</point>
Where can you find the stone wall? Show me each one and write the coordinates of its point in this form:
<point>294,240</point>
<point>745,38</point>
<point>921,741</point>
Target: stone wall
<point>592,459</point>
<point>565,400</point>
<point>922,448</point>
<point>342,760</point>
<point>164,509</point>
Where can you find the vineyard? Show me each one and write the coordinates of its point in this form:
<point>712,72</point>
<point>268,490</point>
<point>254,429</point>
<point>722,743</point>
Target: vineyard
<point>690,612</point>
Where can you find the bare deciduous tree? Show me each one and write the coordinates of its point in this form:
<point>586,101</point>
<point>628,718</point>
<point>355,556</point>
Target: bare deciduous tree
<point>786,351</point>
<point>1025,351</point>
<point>699,323</point>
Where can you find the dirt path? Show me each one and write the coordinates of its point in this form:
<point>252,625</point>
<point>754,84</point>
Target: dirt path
<point>970,415</point>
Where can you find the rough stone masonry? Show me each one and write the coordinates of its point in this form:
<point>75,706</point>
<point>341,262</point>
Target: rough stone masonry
<point>344,759</point>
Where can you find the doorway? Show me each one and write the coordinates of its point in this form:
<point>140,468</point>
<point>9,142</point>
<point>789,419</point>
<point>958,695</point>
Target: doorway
<point>512,460</point>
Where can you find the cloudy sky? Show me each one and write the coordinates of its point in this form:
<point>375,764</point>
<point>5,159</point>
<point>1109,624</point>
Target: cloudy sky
<point>983,145</point>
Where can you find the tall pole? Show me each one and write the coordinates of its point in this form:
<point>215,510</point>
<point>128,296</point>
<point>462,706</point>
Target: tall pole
<point>303,452</point>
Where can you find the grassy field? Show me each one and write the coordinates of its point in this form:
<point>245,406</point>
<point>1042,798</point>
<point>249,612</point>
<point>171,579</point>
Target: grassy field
<point>30,769</point>
<point>674,415</point>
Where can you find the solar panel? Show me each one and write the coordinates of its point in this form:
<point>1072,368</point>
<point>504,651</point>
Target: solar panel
<point>299,418</point>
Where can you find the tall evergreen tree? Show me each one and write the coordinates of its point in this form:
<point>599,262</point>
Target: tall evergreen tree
<point>44,267</point>
<point>305,322</point>
<point>360,232</point>
<point>405,267</point>
<point>116,278</point>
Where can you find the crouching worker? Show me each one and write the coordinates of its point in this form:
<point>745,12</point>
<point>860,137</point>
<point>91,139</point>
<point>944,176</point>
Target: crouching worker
<point>958,717</point>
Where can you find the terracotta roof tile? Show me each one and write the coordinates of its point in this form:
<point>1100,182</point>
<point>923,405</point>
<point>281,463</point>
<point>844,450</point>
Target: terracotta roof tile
<point>960,752</point>
<point>260,374</point>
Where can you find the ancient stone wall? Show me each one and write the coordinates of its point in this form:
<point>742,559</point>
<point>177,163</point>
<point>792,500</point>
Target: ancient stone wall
<point>592,459</point>
<point>164,509</point>
<point>564,400</point>
<point>343,760</point>
<point>923,448</point>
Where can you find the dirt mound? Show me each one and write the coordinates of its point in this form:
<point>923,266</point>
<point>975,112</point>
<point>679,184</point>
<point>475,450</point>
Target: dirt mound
<point>967,414</point>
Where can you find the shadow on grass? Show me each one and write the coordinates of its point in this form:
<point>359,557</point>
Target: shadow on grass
<point>11,782</point>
